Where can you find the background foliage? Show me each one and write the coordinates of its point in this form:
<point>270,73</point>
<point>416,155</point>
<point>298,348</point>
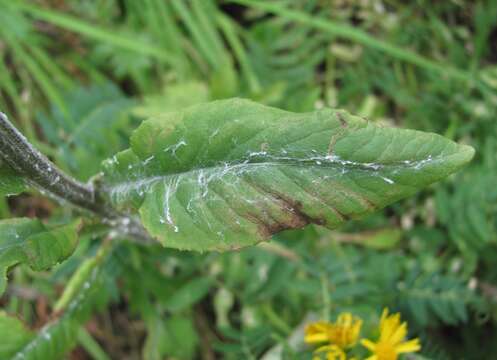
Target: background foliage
<point>78,77</point>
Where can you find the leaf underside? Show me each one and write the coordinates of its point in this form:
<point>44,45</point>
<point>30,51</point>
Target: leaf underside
<point>231,173</point>
<point>29,241</point>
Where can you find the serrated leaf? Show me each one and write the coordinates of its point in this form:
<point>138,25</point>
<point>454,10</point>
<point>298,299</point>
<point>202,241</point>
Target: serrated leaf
<point>10,182</point>
<point>14,335</point>
<point>231,173</point>
<point>28,241</point>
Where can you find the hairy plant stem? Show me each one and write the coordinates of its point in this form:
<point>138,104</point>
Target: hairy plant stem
<point>19,154</point>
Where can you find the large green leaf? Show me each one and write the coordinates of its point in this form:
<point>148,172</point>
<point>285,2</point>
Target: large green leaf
<point>29,241</point>
<point>231,173</point>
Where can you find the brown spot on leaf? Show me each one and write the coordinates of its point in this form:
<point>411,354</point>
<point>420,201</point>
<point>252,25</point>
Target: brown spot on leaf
<point>344,125</point>
<point>295,217</point>
<point>332,143</point>
<point>263,228</point>
<point>343,122</point>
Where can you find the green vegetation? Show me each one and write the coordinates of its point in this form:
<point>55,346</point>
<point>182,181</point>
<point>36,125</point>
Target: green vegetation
<point>132,102</point>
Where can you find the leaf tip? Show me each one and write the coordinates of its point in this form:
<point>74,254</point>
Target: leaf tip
<point>464,156</point>
<point>469,151</point>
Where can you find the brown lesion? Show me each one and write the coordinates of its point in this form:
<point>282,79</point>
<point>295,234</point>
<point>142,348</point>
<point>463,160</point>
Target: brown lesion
<point>365,203</point>
<point>343,123</point>
<point>296,218</point>
<point>264,228</point>
<point>343,127</point>
<point>297,206</point>
<point>331,145</point>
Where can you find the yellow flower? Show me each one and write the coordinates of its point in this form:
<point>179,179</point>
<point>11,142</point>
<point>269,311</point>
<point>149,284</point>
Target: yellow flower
<point>343,333</point>
<point>333,352</point>
<point>391,342</point>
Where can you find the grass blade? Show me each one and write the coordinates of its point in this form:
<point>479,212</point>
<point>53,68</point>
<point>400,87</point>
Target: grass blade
<point>104,35</point>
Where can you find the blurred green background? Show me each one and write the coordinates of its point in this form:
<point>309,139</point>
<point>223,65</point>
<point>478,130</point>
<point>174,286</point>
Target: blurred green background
<point>78,76</point>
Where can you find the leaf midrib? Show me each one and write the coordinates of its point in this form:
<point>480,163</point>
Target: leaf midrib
<point>282,161</point>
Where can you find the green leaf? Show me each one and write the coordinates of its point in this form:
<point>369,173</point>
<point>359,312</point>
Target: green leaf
<point>14,335</point>
<point>173,97</point>
<point>231,173</point>
<point>175,337</point>
<point>386,238</point>
<point>436,297</point>
<point>467,209</point>
<point>28,241</point>
<point>189,294</point>
<point>10,182</point>
<point>383,239</point>
<point>58,336</point>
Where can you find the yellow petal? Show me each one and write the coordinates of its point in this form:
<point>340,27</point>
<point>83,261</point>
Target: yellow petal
<point>336,356</point>
<point>399,334</point>
<point>408,346</point>
<point>324,348</point>
<point>317,327</point>
<point>356,330</point>
<point>384,313</point>
<point>388,326</point>
<point>316,338</point>
<point>333,352</point>
<point>344,319</point>
<point>368,344</point>
<point>374,357</point>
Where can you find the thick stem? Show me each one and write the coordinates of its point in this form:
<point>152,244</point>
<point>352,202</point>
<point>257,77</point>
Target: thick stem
<point>17,152</point>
